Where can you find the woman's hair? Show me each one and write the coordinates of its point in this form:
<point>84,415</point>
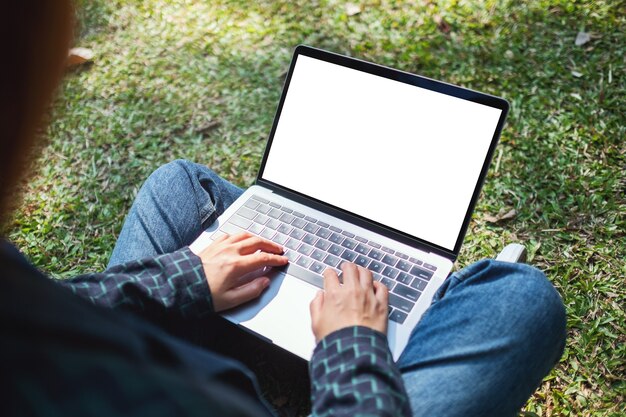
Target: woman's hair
<point>34,41</point>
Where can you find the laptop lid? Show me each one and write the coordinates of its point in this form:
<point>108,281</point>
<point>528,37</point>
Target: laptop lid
<point>397,153</point>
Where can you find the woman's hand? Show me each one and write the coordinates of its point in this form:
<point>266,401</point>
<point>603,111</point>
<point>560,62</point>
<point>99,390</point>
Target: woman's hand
<point>360,301</point>
<point>229,259</point>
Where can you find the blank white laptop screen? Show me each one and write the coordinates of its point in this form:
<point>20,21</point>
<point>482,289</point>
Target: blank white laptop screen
<point>406,157</point>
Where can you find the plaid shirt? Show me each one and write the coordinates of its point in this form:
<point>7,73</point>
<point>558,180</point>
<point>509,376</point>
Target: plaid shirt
<point>352,370</point>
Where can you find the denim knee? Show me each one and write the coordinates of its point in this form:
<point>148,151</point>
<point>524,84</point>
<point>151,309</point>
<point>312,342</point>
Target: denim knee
<point>525,299</point>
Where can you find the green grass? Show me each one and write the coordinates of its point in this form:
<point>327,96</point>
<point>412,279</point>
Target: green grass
<point>165,69</point>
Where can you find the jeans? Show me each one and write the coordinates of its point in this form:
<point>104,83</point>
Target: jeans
<point>493,331</point>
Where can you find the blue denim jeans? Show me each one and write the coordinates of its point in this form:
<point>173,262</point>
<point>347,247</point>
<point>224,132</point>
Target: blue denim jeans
<point>493,331</point>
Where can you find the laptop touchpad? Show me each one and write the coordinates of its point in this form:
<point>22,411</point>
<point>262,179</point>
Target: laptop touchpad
<point>281,314</point>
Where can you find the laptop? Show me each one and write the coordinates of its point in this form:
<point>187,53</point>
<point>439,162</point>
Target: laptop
<point>364,164</point>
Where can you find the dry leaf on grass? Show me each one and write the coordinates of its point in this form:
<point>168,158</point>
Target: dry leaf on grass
<point>500,217</point>
<point>352,9</point>
<point>442,25</point>
<point>582,38</point>
<point>79,56</point>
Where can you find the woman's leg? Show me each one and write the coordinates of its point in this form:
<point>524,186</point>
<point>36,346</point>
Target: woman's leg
<point>175,204</point>
<point>494,330</point>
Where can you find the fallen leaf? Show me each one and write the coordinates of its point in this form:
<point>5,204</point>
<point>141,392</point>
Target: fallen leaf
<point>79,56</point>
<point>582,38</point>
<point>442,25</point>
<point>207,127</point>
<point>576,96</point>
<point>577,74</point>
<point>352,9</point>
<point>501,216</point>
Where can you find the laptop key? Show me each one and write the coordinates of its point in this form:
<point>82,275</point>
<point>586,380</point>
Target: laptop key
<point>291,255</point>
<point>261,219</point>
<point>287,218</point>
<point>247,213</point>
<point>415,261</point>
<point>305,262</point>
<point>376,266</point>
<point>390,272</point>
<point>335,238</point>
<point>402,256</point>
<point>261,199</point>
<point>309,238</point>
<point>267,233</point>
<point>283,228</point>
<point>322,244</point>
<point>388,250</point>
<point>374,244</point>
<point>407,292</point>
<point>390,260</point>
<point>274,204</point>
<point>311,228</point>
<point>429,266</point>
<point>310,219</point>
<point>335,229</point>
<point>251,204</point>
<point>317,267</point>
<point>397,316</point>
<point>331,260</point>
<point>375,254</point>
<point>292,244</point>
<point>240,221</point>
<point>230,229</point>
<point>305,249</point>
<point>255,228</point>
<point>388,283</point>
<point>348,255</point>
<point>403,265</point>
<point>263,208</point>
<point>297,234</point>
<point>348,243</point>
<point>362,249</point>
<point>273,224</point>
<point>275,213</point>
<point>303,273</point>
<point>322,224</point>
<point>286,210</point>
<point>404,278</point>
<point>335,250</point>
<point>421,273</point>
<point>280,238</point>
<point>400,303</point>
<point>418,284</point>
<point>361,261</point>
<point>323,233</point>
<point>217,234</point>
<point>318,255</point>
<point>360,239</point>
<point>298,214</point>
<point>299,223</point>
<point>348,234</point>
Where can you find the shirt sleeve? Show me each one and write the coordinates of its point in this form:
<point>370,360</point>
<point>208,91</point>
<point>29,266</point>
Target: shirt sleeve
<point>353,374</point>
<point>173,283</point>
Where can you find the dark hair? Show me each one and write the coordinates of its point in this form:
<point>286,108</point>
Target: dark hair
<point>34,41</point>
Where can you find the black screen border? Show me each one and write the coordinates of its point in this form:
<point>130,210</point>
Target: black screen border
<point>407,78</point>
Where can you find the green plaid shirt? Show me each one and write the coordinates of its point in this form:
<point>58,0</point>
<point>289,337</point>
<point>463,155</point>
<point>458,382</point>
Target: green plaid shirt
<point>62,357</point>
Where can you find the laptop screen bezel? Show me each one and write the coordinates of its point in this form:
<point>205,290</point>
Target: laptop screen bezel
<point>407,78</point>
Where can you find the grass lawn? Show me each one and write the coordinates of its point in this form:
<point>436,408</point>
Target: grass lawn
<point>201,79</point>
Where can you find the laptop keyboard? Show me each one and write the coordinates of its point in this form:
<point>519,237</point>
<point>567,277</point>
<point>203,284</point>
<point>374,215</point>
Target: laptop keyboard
<point>313,245</point>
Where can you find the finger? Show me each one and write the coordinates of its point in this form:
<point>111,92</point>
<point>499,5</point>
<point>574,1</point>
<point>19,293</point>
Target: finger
<point>255,243</point>
<point>381,292</point>
<point>249,263</point>
<point>316,305</point>
<point>365,278</point>
<point>350,275</point>
<point>246,292</point>
<point>331,280</point>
